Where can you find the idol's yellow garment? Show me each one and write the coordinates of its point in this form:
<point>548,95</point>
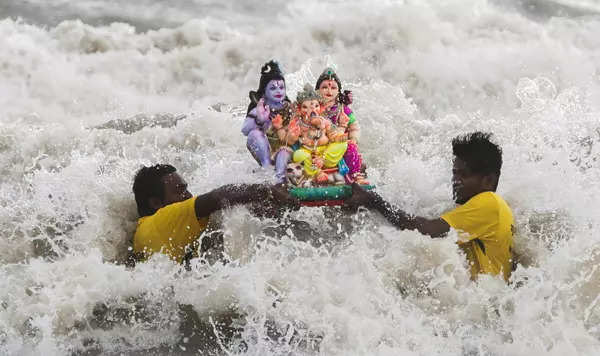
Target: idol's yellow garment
<point>171,230</point>
<point>485,226</point>
<point>332,153</point>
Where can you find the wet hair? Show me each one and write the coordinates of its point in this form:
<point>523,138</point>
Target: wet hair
<point>147,184</point>
<point>480,154</point>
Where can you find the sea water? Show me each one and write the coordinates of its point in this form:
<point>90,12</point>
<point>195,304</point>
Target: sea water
<point>92,90</point>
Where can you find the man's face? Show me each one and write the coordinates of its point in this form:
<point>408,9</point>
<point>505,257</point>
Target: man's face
<point>465,183</point>
<point>175,189</point>
<point>275,91</point>
<point>309,107</point>
<point>329,90</point>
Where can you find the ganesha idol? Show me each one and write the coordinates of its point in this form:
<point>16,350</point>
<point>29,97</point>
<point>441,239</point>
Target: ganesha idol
<point>322,144</point>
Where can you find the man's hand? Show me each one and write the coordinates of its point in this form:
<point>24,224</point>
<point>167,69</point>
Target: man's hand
<point>360,197</point>
<point>279,196</point>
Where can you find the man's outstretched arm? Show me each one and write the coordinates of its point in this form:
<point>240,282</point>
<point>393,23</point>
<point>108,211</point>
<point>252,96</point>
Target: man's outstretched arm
<point>234,194</point>
<point>396,216</point>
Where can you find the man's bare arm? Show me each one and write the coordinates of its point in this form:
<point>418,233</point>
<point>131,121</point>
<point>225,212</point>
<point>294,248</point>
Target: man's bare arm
<point>396,216</point>
<point>234,194</point>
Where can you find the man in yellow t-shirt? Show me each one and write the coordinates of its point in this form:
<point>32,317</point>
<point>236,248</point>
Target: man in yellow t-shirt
<point>483,219</point>
<point>484,224</point>
<point>172,220</point>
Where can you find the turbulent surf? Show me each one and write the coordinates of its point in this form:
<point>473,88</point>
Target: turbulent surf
<point>90,91</point>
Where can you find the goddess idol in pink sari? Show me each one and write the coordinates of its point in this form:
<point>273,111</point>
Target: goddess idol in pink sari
<point>336,107</point>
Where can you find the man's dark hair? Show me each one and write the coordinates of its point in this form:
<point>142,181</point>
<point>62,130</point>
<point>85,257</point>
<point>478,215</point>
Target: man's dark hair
<point>480,154</point>
<point>147,184</point>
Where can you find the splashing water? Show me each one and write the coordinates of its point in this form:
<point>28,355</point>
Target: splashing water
<point>89,91</point>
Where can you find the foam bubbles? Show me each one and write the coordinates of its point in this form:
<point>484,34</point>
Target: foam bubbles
<point>86,101</point>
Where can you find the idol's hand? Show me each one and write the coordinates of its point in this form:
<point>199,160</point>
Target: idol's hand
<point>316,122</point>
<point>277,122</point>
<point>294,128</point>
<point>262,112</point>
<point>343,120</point>
<point>318,162</point>
<point>307,141</point>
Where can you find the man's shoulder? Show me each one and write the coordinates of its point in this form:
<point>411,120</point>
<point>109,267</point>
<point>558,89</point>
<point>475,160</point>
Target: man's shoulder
<point>493,198</point>
<point>485,203</point>
<point>488,198</point>
<point>168,218</point>
<point>167,211</point>
<point>491,205</point>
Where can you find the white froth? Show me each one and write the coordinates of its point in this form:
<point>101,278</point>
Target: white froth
<point>84,102</point>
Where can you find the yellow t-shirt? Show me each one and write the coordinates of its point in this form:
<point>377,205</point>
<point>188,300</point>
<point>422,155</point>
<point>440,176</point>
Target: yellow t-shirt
<point>485,226</point>
<point>170,230</point>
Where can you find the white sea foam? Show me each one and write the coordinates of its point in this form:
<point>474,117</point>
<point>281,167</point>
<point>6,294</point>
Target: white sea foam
<point>84,102</point>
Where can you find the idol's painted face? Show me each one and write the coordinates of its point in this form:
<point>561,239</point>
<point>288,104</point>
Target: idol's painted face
<point>275,91</point>
<point>329,90</point>
<point>308,107</point>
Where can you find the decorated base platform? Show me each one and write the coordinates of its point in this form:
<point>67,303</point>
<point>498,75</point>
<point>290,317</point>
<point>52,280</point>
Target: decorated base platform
<point>325,195</point>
